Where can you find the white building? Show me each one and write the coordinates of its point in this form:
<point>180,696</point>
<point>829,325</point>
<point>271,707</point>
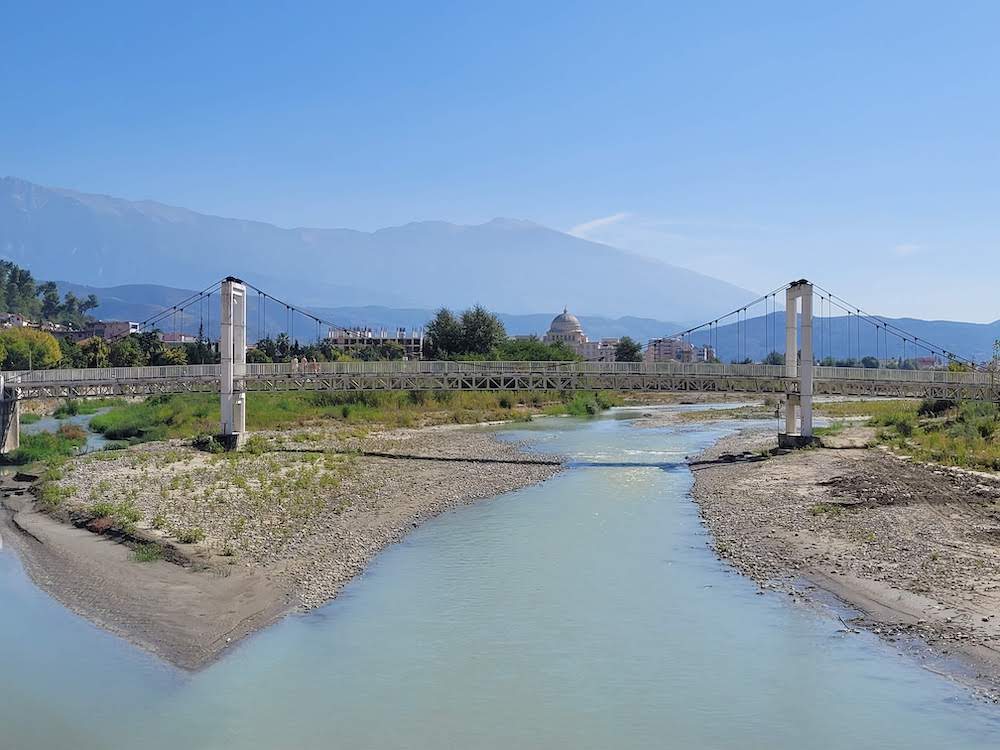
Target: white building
<point>566,329</point>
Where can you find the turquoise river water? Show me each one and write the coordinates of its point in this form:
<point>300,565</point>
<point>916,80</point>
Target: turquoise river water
<point>585,612</point>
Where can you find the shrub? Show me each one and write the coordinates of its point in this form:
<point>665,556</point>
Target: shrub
<point>207,443</point>
<point>29,418</point>
<point>69,408</point>
<point>102,509</point>
<point>192,535</point>
<point>72,432</point>
<point>257,444</point>
<point>934,407</point>
<point>147,552</point>
<point>52,495</point>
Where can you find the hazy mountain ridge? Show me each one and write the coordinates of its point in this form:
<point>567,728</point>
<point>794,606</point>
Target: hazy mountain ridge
<point>505,264</point>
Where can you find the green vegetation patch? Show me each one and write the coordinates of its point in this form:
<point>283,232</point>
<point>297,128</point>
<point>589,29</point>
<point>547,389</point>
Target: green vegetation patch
<point>147,552</point>
<point>963,434</point>
<point>191,535</point>
<point>826,509</point>
<point>71,407</point>
<point>190,415</point>
<point>29,418</point>
<point>46,445</point>
<point>584,404</point>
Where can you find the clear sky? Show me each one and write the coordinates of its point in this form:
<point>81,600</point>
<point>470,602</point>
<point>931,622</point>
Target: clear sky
<point>857,144</point>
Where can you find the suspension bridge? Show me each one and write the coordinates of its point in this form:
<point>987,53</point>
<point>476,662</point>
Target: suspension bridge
<point>796,381</point>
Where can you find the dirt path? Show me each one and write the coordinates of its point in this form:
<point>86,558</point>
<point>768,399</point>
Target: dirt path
<point>915,548</point>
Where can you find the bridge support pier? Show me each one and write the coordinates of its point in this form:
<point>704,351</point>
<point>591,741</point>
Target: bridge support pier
<point>233,354</point>
<point>10,419</point>
<point>798,406</point>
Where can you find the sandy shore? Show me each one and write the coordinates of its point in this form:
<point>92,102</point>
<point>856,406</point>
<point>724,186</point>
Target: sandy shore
<point>283,529</point>
<point>911,548</point>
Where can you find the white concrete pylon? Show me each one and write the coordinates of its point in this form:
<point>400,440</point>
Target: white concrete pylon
<point>800,404</point>
<point>233,355</point>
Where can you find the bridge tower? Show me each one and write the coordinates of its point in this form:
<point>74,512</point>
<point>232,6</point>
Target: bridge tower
<point>233,354</point>
<point>798,407</point>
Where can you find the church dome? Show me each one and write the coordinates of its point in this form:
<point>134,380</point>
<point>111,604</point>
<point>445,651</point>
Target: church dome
<point>565,323</point>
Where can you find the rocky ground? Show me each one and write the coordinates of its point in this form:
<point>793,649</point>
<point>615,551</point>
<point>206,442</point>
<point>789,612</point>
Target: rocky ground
<point>302,512</point>
<point>913,547</point>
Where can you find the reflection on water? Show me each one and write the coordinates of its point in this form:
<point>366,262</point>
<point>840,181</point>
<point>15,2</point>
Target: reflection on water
<point>585,612</point>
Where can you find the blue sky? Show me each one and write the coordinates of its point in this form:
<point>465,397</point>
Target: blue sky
<point>857,144</point>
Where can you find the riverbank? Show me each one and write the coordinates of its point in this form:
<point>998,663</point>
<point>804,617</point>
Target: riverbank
<point>235,541</point>
<point>911,547</point>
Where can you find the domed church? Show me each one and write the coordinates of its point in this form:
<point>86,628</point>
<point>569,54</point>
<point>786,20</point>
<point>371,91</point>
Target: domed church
<point>565,329</point>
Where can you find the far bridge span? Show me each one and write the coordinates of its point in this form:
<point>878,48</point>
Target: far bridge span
<point>797,381</point>
<point>511,376</point>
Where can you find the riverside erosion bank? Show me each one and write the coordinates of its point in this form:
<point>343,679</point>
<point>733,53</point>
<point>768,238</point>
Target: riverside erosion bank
<point>244,538</point>
<point>912,548</point>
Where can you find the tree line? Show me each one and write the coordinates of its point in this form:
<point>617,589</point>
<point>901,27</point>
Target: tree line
<point>21,294</point>
<point>476,333</point>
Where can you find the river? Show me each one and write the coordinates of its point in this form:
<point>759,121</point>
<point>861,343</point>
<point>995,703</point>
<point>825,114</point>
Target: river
<point>586,612</point>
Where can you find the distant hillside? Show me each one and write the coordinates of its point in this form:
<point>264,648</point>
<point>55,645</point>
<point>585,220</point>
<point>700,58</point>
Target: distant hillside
<point>839,339</point>
<point>504,264</point>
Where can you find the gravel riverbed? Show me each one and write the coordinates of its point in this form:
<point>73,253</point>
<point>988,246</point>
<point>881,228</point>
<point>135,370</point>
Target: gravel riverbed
<point>912,548</point>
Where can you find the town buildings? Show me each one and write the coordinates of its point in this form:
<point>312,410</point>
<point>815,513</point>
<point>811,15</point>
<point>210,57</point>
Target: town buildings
<point>679,350</point>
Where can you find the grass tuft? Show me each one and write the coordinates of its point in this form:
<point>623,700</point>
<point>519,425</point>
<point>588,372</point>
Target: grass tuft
<point>145,553</point>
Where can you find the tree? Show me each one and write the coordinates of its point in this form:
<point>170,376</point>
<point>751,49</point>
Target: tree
<point>254,356</point>
<point>533,350</point>
<point>201,351</point>
<point>444,335</point>
<point>870,363</point>
<point>384,351</point>
<point>71,354</point>
<point>628,350</point>
<point>95,352</point>
<point>171,355</point>
<point>28,348</point>
<point>51,303</point>
<point>126,352</point>
<point>777,358</point>
<point>482,331</point>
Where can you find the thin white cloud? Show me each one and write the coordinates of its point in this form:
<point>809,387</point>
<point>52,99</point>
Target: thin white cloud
<point>905,250</point>
<point>585,229</point>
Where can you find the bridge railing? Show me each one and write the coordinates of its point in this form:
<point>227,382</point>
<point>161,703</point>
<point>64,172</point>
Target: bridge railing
<point>113,374</point>
<point>425,367</point>
<point>442,367</point>
<point>903,376</point>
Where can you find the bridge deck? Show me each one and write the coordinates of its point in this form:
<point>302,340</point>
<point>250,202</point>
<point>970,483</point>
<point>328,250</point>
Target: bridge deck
<point>437,375</point>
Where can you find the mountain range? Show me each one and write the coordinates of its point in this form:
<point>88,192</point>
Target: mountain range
<point>504,264</point>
